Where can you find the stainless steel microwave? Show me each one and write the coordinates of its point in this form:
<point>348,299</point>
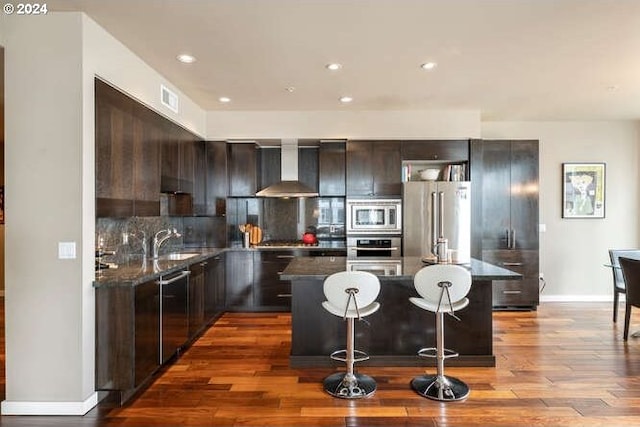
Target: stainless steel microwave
<point>374,216</point>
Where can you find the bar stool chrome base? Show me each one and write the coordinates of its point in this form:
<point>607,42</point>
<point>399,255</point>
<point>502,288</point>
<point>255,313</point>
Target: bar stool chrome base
<point>440,387</point>
<point>349,386</point>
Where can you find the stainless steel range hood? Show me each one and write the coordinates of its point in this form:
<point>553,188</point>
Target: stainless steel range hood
<point>289,185</point>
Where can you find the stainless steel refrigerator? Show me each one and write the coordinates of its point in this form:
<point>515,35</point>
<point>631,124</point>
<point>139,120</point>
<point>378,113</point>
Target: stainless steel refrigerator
<point>435,210</point>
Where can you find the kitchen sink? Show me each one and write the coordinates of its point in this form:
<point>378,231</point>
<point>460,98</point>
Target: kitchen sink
<point>179,256</point>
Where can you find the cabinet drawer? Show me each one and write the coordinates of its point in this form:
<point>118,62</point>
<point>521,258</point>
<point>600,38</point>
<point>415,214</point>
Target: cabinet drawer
<point>511,293</point>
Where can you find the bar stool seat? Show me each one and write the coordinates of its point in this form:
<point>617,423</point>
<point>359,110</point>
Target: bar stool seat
<point>350,295</point>
<point>443,289</point>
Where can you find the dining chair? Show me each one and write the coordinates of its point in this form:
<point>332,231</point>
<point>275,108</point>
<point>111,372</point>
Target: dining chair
<point>618,280</point>
<point>631,273</point>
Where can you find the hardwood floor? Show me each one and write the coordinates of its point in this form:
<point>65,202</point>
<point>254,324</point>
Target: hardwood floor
<point>564,365</point>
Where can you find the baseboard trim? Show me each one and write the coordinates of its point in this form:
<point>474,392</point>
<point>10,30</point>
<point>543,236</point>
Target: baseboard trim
<point>578,298</point>
<point>49,408</point>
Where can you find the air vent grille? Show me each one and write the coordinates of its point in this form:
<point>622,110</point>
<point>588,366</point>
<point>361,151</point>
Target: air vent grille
<point>168,98</point>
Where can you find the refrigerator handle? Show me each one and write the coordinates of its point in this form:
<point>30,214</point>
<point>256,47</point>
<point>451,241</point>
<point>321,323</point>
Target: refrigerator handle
<point>441,215</point>
<point>508,239</point>
<point>513,238</point>
<point>434,221</point>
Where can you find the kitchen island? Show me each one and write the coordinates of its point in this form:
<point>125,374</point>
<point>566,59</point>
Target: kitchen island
<point>393,335</point>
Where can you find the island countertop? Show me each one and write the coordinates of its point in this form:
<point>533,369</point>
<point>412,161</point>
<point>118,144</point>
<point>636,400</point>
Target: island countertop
<point>321,267</point>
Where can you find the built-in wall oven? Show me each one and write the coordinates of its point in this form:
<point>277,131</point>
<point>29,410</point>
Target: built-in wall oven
<point>374,217</point>
<point>373,246</point>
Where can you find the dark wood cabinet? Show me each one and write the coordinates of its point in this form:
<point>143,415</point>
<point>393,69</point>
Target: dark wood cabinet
<point>270,166</point>
<point>308,166</point>
<point>270,292</point>
<point>243,169</point>
<point>374,168</point>
<point>505,183</point>
<point>436,150</point>
<point>184,169</point>
<point>239,280</point>
<point>196,298</point>
<point>147,331</point>
<point>216,178</point>
<point>214,291</point>
<point>332,173</point>
<point>127,337</point>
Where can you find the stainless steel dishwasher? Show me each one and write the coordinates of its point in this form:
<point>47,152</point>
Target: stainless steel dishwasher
<point>174,314</point>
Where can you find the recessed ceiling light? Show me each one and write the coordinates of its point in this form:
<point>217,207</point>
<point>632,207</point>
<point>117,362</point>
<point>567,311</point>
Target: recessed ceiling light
<point>346,99</point>
<point>185,58</point>
<point>290,89</point>
<point>334,66</point>
<point>428,65</point>
<point>224,99</point>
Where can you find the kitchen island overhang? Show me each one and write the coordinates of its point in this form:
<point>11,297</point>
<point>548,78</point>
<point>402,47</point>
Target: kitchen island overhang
<point>393,335</point>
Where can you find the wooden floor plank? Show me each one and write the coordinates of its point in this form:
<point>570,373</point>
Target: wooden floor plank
<point>564,364</point>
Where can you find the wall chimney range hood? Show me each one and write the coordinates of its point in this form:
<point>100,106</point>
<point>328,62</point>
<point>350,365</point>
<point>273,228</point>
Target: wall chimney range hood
<point>289,185</point>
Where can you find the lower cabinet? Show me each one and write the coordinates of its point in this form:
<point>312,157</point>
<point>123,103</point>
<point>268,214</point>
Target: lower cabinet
<point>196,298</point>
<point>214,290</point>
<point>270,293</point>
<point>515,294</point>
<point>239,280</point>
<point>127,337</point>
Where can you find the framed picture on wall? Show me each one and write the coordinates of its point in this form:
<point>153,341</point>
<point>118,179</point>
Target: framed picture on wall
<point>583,190</point>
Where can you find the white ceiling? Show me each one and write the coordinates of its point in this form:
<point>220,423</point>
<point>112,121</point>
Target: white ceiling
<point>510,59</point>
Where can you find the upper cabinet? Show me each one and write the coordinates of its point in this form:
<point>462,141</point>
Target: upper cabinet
<point>127,138</point>
<point>449,157</point>
<point>374,168</point>
<point>216,178</point>
<point>332,172</point>
<point>308,166</point>
<point>243,169</point>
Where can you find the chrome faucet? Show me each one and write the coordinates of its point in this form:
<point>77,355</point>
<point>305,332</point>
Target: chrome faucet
<point>158,241</point>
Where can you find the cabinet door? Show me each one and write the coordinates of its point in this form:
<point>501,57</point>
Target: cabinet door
<point>214,287</point>
<point>524,198</point>
<point>170,163</point>
<point>308,167</point>
<point>114,152</point>
<point>496,194</point>
<point>199,177</point>
<point>440,150</point>
<point>359,168</point>
<point>148,130</point>
<point>243,170</point>
<point>216,178</point>
<point>387,168</point>
<point>196,298</point>
<point>147,330</point>
<point>239,279</point>
<point>270,159</point>
<point>270,292</point>
<point>332,172</point>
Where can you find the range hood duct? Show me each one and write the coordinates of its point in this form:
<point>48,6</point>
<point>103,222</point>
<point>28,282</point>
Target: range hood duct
<point>289,185</point>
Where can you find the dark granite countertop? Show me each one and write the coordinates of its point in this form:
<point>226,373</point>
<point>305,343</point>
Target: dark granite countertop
<point>320,267</point>
<point>139,270</point>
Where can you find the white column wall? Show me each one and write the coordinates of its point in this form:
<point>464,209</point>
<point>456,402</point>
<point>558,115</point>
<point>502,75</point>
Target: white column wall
<point>573,251</point>
<point>51,62</point>
<point>44,295</point>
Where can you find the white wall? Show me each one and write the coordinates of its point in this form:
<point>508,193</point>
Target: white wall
<point>44,295</point>
<point>573,251</point>
<point>50,198</point>
<point>344,124</point>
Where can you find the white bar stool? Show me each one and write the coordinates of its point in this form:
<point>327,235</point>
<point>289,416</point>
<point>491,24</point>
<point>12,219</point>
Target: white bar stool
<point>350,295</point>
<point>443,289</point>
